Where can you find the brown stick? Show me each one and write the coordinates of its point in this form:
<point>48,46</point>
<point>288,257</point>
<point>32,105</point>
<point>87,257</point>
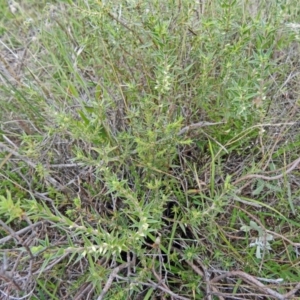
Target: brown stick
<point>197,125</point>
<point>257,284</point>
<point>111,278</point>
<point>293,165</point>
<point>31,164</point>
<point>17,233</point>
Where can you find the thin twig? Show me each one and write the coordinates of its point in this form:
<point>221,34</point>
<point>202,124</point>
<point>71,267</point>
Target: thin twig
<point>160,281</point>
<point>83,289</point>
<point>203,273</point>
<point>18,239</point>
<point>15,153</point>
<point>283,237</point>
<point>21,231</point>
<point>293,165</point>
<point>66,165</point>
<point>154,286</point>
<point>204,124</point>
<point>50,266</point>
<point>197,125</point>
<point>292,292</point>
<point>7,278</point>
<point>25,297</point>
<point>257,284</point>
<point>111,278</point>
<point>31,164</point>
<point>168,291</point>
<point>267,231</point>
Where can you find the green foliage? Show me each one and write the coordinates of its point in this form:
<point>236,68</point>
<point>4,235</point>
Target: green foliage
<point>95,95</point>
<point>262,243</point>
<point>10,209</point>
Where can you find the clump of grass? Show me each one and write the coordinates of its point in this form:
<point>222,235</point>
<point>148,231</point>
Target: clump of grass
<point>140,152</point>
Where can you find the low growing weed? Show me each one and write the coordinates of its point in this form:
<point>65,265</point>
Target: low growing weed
<point>149,149</point>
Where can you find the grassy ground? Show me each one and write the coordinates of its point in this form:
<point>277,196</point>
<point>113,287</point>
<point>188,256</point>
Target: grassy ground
<point>149,149</point>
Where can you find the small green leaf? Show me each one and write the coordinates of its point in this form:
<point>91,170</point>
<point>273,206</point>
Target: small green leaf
<point>245,228</point>
<point>254,226</point>
<point>258,253</point>
<point>84,118</point>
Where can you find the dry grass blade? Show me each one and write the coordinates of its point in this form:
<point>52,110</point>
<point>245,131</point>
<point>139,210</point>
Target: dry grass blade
<point>106,171</point>
<point>257,285</point>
